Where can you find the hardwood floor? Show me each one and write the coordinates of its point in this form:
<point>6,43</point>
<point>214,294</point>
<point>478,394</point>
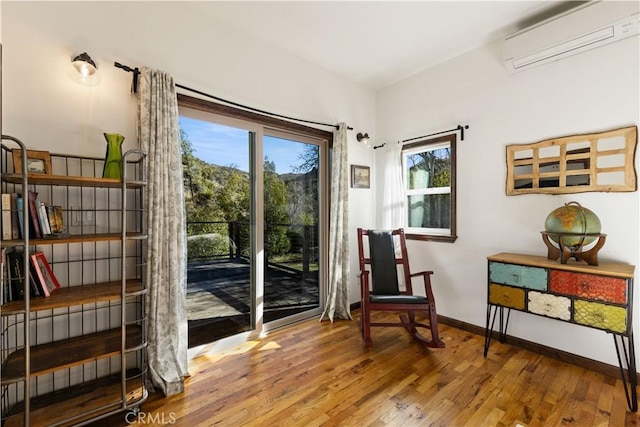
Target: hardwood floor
<point>319,374</point>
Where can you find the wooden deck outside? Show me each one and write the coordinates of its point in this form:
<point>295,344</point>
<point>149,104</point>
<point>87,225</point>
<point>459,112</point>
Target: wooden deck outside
<point>218,297</point>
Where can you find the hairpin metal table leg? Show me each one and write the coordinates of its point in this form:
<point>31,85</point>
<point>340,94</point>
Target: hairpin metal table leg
<point>503,323</point>
<point>627,361</point>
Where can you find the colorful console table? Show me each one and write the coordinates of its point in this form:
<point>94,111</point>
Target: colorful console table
<point>599,297</point>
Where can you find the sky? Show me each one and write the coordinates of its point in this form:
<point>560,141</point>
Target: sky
<point>225,146</point>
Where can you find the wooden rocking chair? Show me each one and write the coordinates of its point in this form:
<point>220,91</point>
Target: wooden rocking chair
<point>385,293</point>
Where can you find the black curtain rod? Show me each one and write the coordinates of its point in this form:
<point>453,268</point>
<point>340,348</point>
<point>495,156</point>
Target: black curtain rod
<point>134,89</point>
<point>136,74</point>
<point>456,129</point>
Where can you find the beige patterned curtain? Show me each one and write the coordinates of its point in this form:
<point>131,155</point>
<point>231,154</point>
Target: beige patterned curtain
<point>337,304</point>
<point>166,277</point>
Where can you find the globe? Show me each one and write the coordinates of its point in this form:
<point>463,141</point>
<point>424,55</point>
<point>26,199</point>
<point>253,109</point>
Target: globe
<point>575,219</point>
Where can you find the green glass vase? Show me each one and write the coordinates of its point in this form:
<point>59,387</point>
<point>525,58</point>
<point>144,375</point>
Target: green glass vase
<point>113,158</point>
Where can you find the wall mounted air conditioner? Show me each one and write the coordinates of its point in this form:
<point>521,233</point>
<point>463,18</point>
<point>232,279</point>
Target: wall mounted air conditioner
<point>588,26</point>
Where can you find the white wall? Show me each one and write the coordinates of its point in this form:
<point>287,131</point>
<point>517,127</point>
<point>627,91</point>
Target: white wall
<point>47,110</point>
<point>595,91</point>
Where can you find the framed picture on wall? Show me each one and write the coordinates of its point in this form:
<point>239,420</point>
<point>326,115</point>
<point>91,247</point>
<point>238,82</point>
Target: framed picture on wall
<point>360,176</point>
<point>37,161</point>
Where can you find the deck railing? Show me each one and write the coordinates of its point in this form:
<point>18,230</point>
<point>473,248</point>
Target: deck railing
<point>210,240</point>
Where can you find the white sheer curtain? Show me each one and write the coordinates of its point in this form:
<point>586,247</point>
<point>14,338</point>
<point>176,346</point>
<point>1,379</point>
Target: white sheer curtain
<point>393,197</point>
<point>166,277</point>
<point>337,305</point>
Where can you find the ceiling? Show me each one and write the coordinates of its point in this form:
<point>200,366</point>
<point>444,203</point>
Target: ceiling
<point>377,43</point>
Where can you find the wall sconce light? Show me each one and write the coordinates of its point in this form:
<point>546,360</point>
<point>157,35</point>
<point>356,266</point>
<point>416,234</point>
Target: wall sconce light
<point>364,139</point>
<point>85,70</point>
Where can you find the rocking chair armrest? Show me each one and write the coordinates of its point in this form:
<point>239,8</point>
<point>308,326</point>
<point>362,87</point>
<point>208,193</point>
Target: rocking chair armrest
<point>422,273</point>
<point>426,275</point>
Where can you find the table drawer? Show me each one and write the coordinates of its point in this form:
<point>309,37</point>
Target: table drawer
<point>518,275</point>
<point>610,289</point>
<point>506,296</point>
<point>549,305</point>
<point>602,316</point>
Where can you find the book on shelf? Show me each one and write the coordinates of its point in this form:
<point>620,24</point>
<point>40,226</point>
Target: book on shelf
<point>7,227</point>
<point>34,218</point>
<point>50,281</point>
<point>44,218</point>
<point>37,289</point>
<point>16,230</point>
<point>43,221</point>
<point>3,276</point>
<point>19,207</point>
<point>15,259</point>
<point>5,283</point>
<point>37,276</point>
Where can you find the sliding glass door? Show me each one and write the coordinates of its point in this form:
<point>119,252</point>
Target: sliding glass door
<point>219,189</point>
<point>292,214</point>
<point>254,202</point>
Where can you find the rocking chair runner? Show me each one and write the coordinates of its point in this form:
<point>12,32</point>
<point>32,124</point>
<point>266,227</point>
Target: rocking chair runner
<point>385,293</point>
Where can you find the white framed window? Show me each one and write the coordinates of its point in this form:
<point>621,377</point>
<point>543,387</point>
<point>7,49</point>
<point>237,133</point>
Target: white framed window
<point>429,176</point>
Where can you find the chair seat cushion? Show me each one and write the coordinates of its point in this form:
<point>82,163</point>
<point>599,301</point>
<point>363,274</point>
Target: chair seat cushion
<point>398,299</point>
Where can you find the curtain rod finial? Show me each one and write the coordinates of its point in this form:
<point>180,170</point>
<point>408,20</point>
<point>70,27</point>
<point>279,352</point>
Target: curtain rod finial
<point>461,129</point>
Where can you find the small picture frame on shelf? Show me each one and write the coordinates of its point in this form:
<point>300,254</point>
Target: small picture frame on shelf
<point>360,176</point>
<point>38,161</point>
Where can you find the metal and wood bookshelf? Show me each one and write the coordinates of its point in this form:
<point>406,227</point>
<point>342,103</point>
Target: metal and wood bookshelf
<point>79,354</point>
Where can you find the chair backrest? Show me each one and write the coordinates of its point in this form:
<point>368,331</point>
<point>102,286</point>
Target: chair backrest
<point>383,260</point>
